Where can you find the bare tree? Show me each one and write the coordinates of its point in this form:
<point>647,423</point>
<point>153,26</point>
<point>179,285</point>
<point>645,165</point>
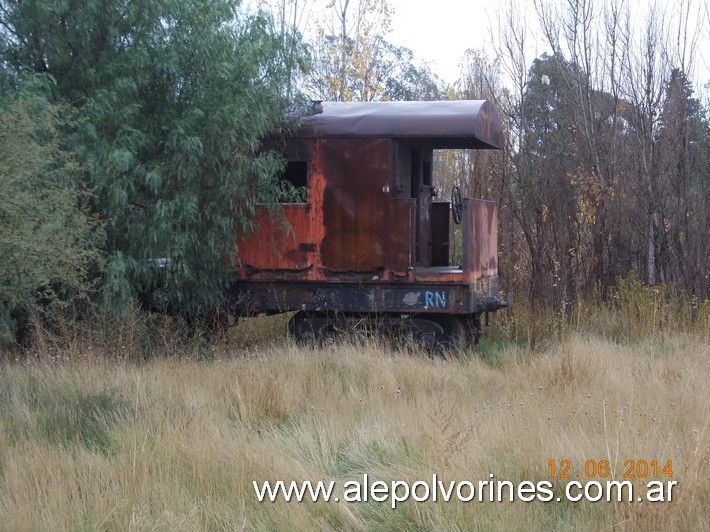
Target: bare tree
<point>347,48</point>
<point>510,38</point>
<point>576,29</point>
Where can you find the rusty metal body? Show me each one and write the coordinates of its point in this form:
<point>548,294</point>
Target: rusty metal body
<point>368,239</point>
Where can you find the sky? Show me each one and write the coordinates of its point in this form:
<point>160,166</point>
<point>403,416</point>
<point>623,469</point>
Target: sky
<point>440,31</point>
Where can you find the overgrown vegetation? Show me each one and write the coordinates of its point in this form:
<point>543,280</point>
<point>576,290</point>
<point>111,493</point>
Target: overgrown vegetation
<point>157,110</point>
<point>60,414</point>
<point>635,313</point>
<point>49,242</point>
<point>176,442</point>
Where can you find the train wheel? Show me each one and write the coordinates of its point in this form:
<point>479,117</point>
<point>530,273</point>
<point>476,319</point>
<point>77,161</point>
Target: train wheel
<point>454,332</point>
<point>426,333</point>
<point>439,332</point>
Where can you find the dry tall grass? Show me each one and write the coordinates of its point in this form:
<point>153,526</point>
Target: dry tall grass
<point>174,444</point>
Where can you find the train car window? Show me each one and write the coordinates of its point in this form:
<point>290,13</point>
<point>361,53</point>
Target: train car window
<point>293,183</point>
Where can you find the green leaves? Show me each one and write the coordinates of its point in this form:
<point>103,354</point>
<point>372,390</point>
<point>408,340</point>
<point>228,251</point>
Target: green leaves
<point>173,99</point>
<point>48,241</point>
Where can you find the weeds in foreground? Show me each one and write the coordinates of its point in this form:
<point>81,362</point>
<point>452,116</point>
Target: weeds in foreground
<point>175,443</point>
<point>143,423</point>
<point>635,312</point>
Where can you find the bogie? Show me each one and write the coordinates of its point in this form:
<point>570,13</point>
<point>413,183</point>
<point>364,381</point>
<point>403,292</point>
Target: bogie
<point>430,332</point>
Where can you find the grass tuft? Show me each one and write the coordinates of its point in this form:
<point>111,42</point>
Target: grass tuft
<point>37,407</point>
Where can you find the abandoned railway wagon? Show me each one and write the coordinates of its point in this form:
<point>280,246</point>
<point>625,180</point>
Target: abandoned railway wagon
<point>361,240</point>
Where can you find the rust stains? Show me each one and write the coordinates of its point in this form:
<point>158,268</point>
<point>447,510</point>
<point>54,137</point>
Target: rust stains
<point>480,238</point>
<point>354,203</point>
<point>369,215</point>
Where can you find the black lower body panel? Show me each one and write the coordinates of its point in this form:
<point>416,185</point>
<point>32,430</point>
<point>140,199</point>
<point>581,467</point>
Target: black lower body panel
<point>254,297</point>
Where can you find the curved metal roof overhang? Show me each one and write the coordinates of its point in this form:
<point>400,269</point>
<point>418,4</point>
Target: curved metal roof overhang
<point>438,124</point>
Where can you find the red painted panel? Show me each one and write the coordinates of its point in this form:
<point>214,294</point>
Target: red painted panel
<point>281,241</point>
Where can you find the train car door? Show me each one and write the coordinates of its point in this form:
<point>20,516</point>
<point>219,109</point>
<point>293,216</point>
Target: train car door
<point>422,192</point>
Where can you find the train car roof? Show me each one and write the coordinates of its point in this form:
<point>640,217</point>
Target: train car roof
<point>439,124</point>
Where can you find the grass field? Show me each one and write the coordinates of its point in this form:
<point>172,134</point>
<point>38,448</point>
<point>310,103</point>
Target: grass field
<point>102,443</point>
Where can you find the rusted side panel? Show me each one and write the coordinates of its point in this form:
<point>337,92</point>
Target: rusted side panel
<point>281,241</point>
<point>357,174</point>
<point>480,238</point>
<point>398,235</point>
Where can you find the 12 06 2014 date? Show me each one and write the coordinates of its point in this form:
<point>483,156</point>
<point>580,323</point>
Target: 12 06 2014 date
<point>565,469</point>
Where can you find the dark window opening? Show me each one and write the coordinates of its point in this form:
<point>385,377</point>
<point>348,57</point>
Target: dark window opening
<point>296,173</point>
<point>294,183</point>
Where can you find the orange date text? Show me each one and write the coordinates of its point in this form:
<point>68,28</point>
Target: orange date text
<point>565,469</point>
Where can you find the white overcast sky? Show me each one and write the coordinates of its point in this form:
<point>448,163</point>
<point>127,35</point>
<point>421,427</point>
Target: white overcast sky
<point>440,31</point>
